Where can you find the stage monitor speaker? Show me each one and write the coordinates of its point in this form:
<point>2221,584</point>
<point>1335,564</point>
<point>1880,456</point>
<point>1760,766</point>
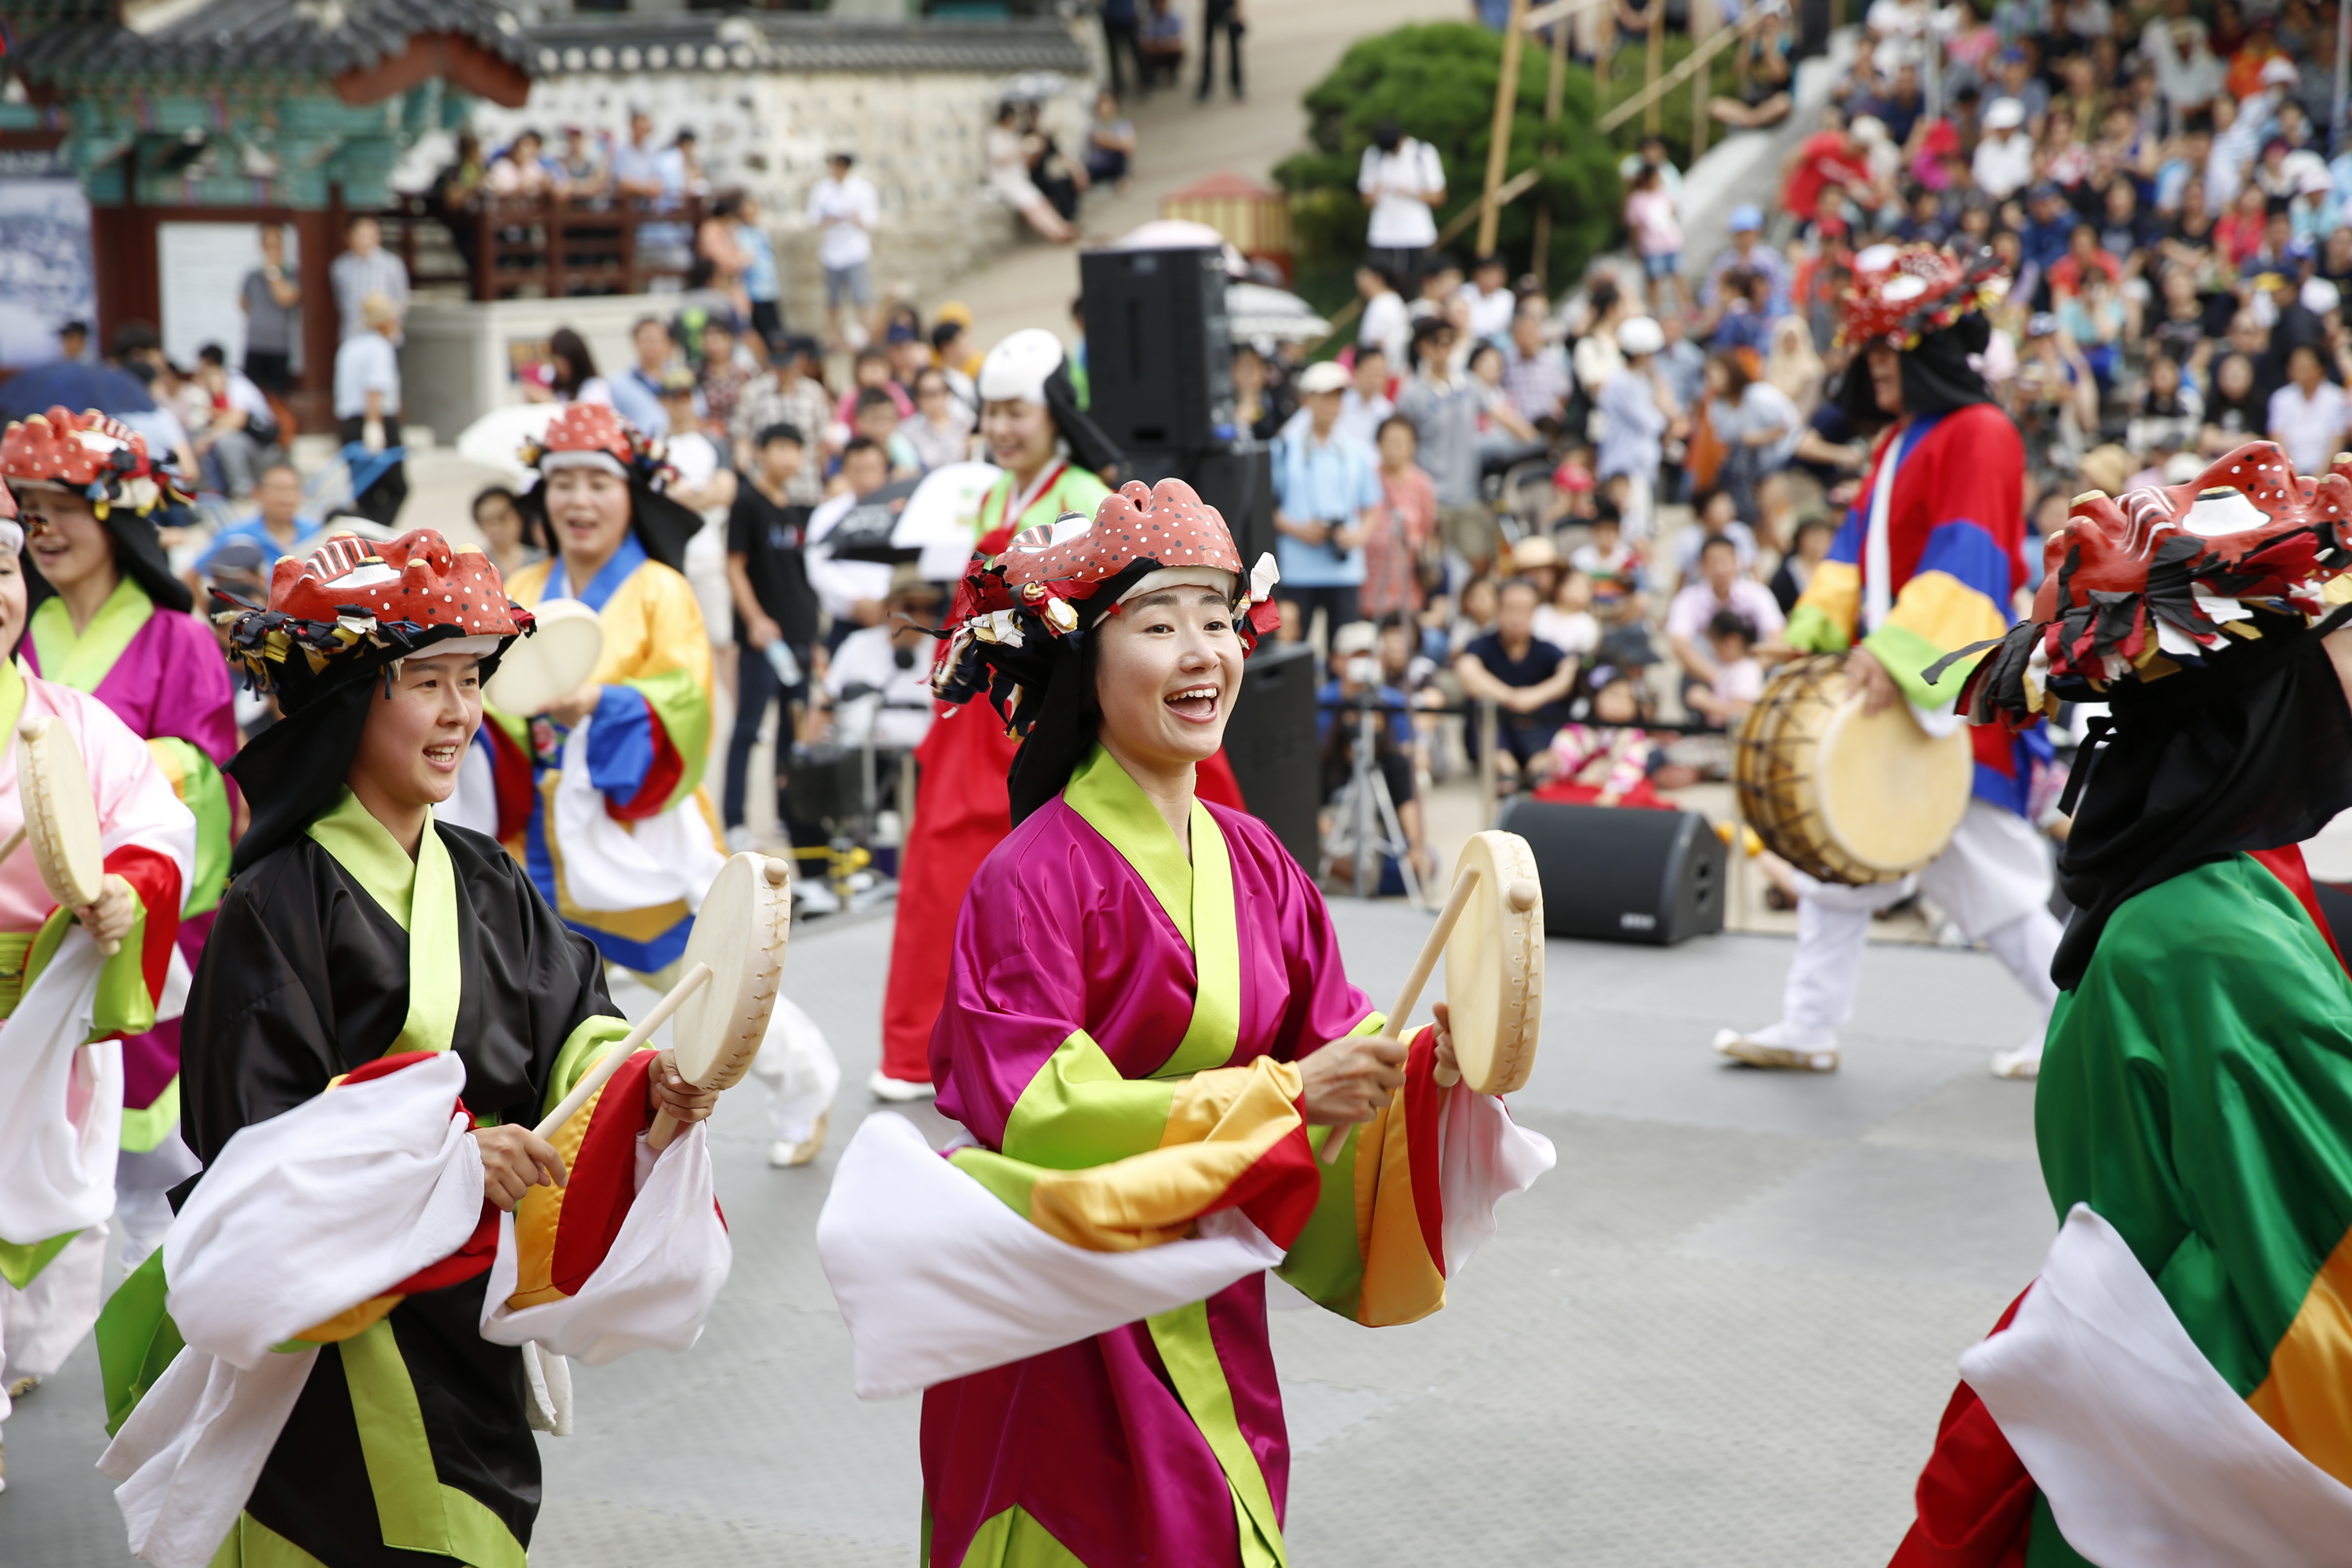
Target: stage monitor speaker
<point>1160,356</point>
<point>1621,873</point>
<point>1236,477</point>
<point>1270,741</point>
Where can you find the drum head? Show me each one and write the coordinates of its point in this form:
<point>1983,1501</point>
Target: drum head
<point>60,813</point>
<point>557,659</point>
<point>740,933</point>
<point>1495,965</point>
<point>1890,793</point>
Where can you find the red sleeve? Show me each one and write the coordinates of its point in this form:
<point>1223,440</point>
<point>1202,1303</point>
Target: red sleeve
<point>661,777</point>
<point>155,878</point>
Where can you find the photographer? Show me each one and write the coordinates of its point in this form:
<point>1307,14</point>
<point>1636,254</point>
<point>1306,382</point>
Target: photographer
<point>1358,683</point>
<point>1324,485</point>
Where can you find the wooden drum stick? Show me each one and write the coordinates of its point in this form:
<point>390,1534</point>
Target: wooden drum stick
<point>1455,903</point>
<point>688,984</point>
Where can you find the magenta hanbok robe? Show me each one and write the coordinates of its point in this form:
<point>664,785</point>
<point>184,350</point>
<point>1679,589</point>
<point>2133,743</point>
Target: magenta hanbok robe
<point>163,674</point>
<point>1120,1036</point>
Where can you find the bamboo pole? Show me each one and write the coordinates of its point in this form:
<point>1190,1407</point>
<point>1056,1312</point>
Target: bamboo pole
<point>1506,103</point>
<point>1655,62</point>
<point>1697,60</point>
<point>1555,95</point>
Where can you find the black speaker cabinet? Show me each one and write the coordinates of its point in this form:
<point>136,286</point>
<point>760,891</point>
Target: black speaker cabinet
<point>1159,365</point>
<point>1621,874</point>
<point>1236,477</point>
<point>1270,741</point>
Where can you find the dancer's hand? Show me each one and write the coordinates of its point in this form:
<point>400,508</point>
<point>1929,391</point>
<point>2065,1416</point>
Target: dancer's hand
<point>1351,1081</point>
<point>109,917</point>
<point>1447,1066</point>
<point>514,1160</point>
<point>1870,677</point>
<point>666,1089</point>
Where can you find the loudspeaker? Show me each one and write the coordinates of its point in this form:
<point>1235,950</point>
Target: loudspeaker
<point>1621,873</point>
<point>1160,355</point>
<point>1237,478</point>
<point>1270,741</point>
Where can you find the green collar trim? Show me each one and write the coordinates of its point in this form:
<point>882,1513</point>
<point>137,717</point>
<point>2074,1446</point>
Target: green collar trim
<point>1198,895</point>
<point>83,661</point>
<point>421,896</point>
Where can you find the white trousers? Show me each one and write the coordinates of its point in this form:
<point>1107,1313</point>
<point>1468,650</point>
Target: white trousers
<point>40,1324</point>
<point>1993,880</point>
<point>796,1067</point>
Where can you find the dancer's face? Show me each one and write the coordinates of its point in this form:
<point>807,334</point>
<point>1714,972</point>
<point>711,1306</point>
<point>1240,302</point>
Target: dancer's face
<point>1166,674</point>
<point>589,507</point>
<point>75,546</point>
<point>415,737</point>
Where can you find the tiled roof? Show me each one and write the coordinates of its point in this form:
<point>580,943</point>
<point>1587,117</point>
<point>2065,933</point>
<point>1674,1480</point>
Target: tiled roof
<point>265,39</point>
<point>800,42</point>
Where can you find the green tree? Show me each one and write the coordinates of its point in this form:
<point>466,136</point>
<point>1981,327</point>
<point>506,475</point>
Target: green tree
<point>1437,82</point>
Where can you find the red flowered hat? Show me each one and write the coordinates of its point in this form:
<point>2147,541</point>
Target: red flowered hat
<point>2139,586</point>
<point>89,455</point>
<point>351,598</point>
<point>594,434</point>
<point>1901,293</point>
<point>1016,613</point>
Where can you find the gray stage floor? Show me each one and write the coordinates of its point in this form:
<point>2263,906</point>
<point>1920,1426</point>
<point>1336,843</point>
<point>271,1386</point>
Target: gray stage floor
<point>1720,1332</point>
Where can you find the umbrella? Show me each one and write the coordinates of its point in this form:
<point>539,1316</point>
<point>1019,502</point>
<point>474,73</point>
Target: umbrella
<point>1254,311</point>
<point>495,438</point>
<point>1180,234</point>
<point>73,384</point>
<point>930,520</point>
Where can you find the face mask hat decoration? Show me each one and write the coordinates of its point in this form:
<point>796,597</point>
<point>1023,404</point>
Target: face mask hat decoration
<point>593,435</point>
<point>107,464</point>
<point>338,624</point>
<point>1930,306</point>
<point>1017,630</point>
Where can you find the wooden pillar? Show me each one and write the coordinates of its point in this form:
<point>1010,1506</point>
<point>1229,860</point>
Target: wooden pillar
<point>317,237</point>
<point>1506,103</point>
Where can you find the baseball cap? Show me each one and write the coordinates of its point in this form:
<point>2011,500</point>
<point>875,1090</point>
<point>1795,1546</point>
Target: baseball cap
<point>2279,71</point>
<point>1322,377</point>
<point>1354,639</point>
<point>1639,335</point>
<point>2004,114</point>
<point>1747,218</point>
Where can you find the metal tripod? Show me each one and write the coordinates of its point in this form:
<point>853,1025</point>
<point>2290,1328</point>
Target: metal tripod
<point>1363,802</point>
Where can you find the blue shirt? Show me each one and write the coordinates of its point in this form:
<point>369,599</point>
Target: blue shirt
<point>306,530</point>
<point>759,279</point>
<point>639,401</point>
<point>1330,481</point>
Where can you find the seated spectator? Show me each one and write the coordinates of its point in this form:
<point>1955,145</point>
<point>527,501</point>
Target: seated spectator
<point>940,430</point>
<point>1567,621</point>
<point>2004,157</point>
<point>1719,587</point>
<point>2235,412</point>
<point>507,540</point>
<point>1502,436</point>
<point>2049,231</point>
<point>1535,372</point>
<point>870,371</point>
<point>522,170</point>
<point>1764,98</point>
<point>279,528</point>
<point>242,428</point>
<point>2307,415</point>
<point>1713,516</point>
<point>879,680</point>
<point>2083,256</point>
<point>1527,678</point>
<point>1738,674</point>
<point>1757,424</point>
<point>1747,253</point>
<point>1473,618</point>
<point>1110,143</point>
<point>2094,318</point>
<point>2238,233</point>
<point>1835,162</point>
<point>1607,762</point>
<point>1815,533</point>
<point>582,165</point>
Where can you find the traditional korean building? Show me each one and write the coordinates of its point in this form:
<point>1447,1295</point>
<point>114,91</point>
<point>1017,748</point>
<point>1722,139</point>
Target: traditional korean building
<point>189,122</point>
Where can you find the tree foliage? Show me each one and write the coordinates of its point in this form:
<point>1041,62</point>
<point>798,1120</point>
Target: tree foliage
<point>1437,80</point>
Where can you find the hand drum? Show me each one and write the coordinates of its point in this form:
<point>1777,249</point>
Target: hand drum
<point>61,815</point>
<point>740,933</point>
<point>556,660</point>
<point>1494,964</point>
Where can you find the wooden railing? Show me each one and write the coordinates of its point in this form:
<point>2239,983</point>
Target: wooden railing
<point>551,247</point>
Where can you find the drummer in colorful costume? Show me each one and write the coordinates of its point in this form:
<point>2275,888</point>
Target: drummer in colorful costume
<point>109,618</point>
<point>1147,1034</point>
<point>1928,561</point>
<point>601,796</point>
<point>365,956</point>
<point>66,1003</point>
<point>2171,1389</point>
